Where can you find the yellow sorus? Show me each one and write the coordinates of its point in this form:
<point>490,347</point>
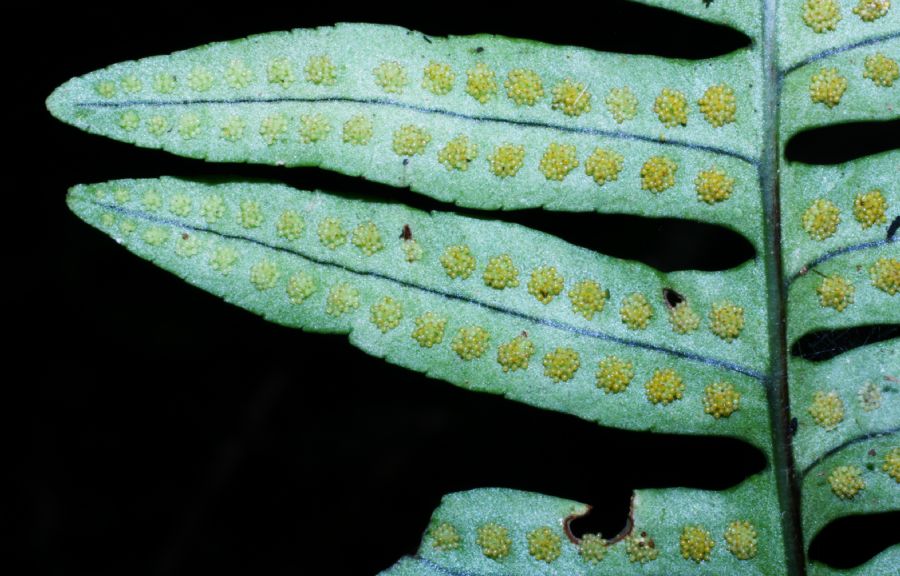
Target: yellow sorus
<point>320,70</point>
<point>561,364</point>
<point>827,409</point>
<point>592,548</point>
<point>342,298</point>
<point>429,330</point>
<point>640,547</point>
<point>280,72</point>
<point>273,128</point>
<point>741,539</point>
<point>187,245</point>
<point>614,375</point>
<point>622,104</point>
<point>827,87</point>
<point>721,400</point>
<point>821,15</point>
<point>604,165</point>
<point>233,129</point>
<point>571,97</point>
<point>164,83</point>
<point>664,387</point>
<point>331,233</point>
<point>238,74</point>
<point>588,298</point>
<point>200,79</point>
<point>821,219</point>
<point>481,83</point>
<point>501,273</point>
<point>835,292</point>
<point>264,275</point>
<point>151,200</point>
<point>129,120</point>
<point>412,250</point>
<point>658,174</point>
<point>713,185</point>
<point>869,10</point>
<point>718,105</point>
<point>358,130</point>
<point>131,84</point>
<point>438,78</point>
<point>846,482</point>
<point>671,107</point>
<point>892,463</point>
<point>683,318</point>
<point>457,154</point>
<point>212,209</point>
<point>558,160</point>
<point>494,540</point>
<point>313,127</point>
<point>524,87</point>
<point>458,261</point>
<point>470,342</point>
<point>391,76</point>
<point>367,238</point>
<point>106,88</point>
<point>127,226</point>
<point>515,354</point>
<point>223,259</point>
<point>121,195</point>
<point>507,159</point>
<point>870,208</point>
<point>545,284</point>
<point>544,544</point>
<point>108,220</point>
<point>444,537</point>
<point>410,140</point>
<point>290,225</point>
<point>386,314</point>
<point>881,70</point>
<point>180,205</point>
<point>636,311</point>
<point>251,214</point>
<point>696,543</point>
<point>726,320</point>
<point>885,274</point>
<point>869,397</point>
<point>158,125</point>
<point>300,286</point>
<point>189,126</point>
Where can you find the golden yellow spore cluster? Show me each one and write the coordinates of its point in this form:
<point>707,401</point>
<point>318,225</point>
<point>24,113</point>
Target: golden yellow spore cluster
<point>445,537</point>
<point>604,165</point>
<point>410,140</point>
<point>524,87</point>
<point>341,299</point>
<point>636,311</point>
<point>131,84</point>
<point>438,78</point>
<point>331,233</point>
<point>592,548</point>
<point>696,543</point>
<point>180,205</point>
<point>458,153</point>
<point>821,15</point>
<point>458,261</point>
<point>718,105</point>
<point>614,374</point>
<point>412,250</point>
<point>290,225</point>
<point>200,79</point>
<point>622,104</point>
<point>151,200</point>
<point>870,10</point>
<point>561,364</point>
<point>588,298</point>
<point>713,185</point>
<point>189,126</point>
<point>158,125</point>
<point>129,120</point>
<point>367,238</point>
<point>501,273</point>
<point>881,70</point>
<point>658,174</point>
<point>870,208</point>
<point>835,292</point>
<point>238,75</point>
<point>741,539</point>
<point>320,70</point>
<point>164,83</point>
<point>481,83</point>
<point>273,128</point>
<point>515,354</point>
<point>106,88</point>
<point>391,76</point>
<point>671,108</point>
<point>186,246</point>
<point>664,387</point>
<point>300,286</point>
<point>885,275</point>
<point>571,97</point>
<point>558,160</point>
<point>892,463</point>
<point>507,159</point>
<point>821,219</point>
<point>640,548</point>
<point>827,87</point>
<point>726,320</point>
<point>233,128</point>
<point>470,342</point>
<point>869,396</point>
<point>721,400</point>
<point>846,482</point>
<point>429,330</point>
<point>251,214</point>
<point>683,318</point>
<point>386,314</point>
<point>545,284</point>
<point>313,128</point>
<point>264,275</point>
<point>544,544</point>
<point>827,410</point>
<point>280,72</point>
<point>223,259</point>
<point>494,540</point>
<point>358,130</point>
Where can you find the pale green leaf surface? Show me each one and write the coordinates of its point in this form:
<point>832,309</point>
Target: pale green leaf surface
<point>881,564</point>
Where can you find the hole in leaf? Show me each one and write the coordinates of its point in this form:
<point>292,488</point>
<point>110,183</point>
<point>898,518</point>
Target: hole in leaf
<point>843,142</point>
<point>826,344</point>
<point>892,229</point>
<point>852,540</point>
<point>672,298</point>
